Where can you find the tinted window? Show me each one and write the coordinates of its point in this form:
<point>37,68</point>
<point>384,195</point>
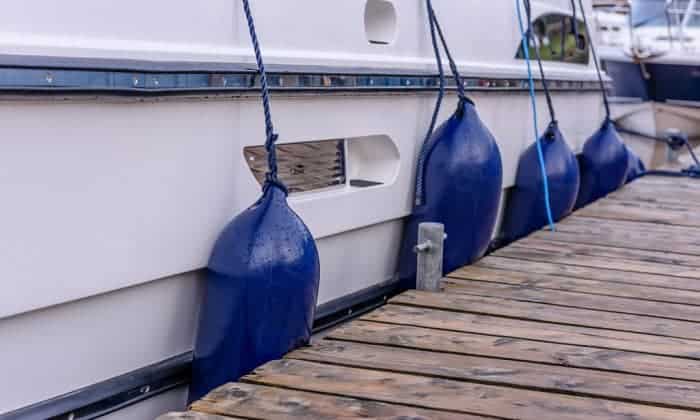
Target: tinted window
<point>557,40</point>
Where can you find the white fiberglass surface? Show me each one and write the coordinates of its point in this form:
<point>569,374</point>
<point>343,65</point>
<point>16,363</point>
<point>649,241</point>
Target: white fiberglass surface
<point>309,32</point>
<point>98,197</point>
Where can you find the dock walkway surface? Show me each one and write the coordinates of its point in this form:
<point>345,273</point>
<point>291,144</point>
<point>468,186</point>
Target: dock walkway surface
<point>598,320</point>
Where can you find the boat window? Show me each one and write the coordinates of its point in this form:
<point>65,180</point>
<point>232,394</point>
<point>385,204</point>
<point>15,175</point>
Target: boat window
<point>556,39</point>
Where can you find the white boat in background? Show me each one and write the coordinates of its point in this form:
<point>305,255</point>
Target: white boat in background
<point>131,135</point>
<point>651,50</point>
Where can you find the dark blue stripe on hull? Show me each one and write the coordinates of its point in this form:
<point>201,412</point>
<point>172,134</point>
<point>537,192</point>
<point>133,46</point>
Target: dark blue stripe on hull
<point>666,82</point>
<point>628,81</point>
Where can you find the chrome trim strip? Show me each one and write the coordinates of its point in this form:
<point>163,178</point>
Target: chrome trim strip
<point>27,74</point>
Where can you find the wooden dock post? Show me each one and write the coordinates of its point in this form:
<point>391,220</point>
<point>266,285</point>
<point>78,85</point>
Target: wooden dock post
<point>431,237</point>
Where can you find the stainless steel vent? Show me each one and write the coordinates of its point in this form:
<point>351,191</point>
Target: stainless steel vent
<point>303,166</point>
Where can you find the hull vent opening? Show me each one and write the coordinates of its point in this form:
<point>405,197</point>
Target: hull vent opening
<point>380,22</point>
<point>303,167</point>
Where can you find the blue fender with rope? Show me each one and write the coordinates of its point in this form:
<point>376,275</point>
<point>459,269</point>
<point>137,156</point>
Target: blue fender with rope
<point>605,159</point>
<point>261,282</point>
<point>547,180</point>
<point>459,177</point>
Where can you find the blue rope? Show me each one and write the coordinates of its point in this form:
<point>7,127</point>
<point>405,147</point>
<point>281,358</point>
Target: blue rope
<point>271,136</point>
<point>526,50</point>
<point>428,143</point>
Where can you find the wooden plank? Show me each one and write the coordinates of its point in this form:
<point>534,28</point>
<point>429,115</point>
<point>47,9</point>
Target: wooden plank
<point>263,402</point>
<point>633,256</point>
<point>666,180</point>
<point>572,284</point>
<point>672,214</point>
<point>603,226</point>
<point>533,330</point>
<point>457,396</point>
<point>635,235</point>
<point>560,255</point>
<point>643,230</point>
<point>528,293</point>
<point>193,415</point>
<point>518,374</point>
<point>588,273</point>
<point>548,313</point>
<point>517,349</point>
<point>657,193</point>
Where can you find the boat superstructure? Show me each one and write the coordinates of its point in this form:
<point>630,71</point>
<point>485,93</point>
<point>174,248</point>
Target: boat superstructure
<point>651,49</point>
<point>132,135</point>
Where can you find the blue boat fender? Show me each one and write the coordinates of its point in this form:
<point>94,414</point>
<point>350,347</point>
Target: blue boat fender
<point>635,166</point>
<point>604,163</point>
<point>526,208</point>
<point>462,179</point>
<point>261,281</point>
<point>458,178</point>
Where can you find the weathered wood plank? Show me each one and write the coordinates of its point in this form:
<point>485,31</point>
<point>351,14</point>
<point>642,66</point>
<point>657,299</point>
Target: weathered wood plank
<point>644,237</point>
<point>633,256</point>
<point>533,330</point>
<point>554,254</point>
<point>586,272</point>
<point>558,379</point>
<point>658,179</point>
<point>193,415</point>
<point>672,214</point>
<point>528,293</point>
<point>438,393</point>
<point>572,284</point>
<point>264,402</point>
<point>604,226</point>
<point>517,349</point>
<point>654,192</point>
<point>548,313</point>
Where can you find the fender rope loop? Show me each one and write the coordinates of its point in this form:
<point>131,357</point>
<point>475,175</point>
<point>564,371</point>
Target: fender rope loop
<point>526,37</point>
<point>270,135</point>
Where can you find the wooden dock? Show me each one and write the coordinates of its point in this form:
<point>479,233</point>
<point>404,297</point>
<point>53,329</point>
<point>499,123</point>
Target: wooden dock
<point>598,320</point>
